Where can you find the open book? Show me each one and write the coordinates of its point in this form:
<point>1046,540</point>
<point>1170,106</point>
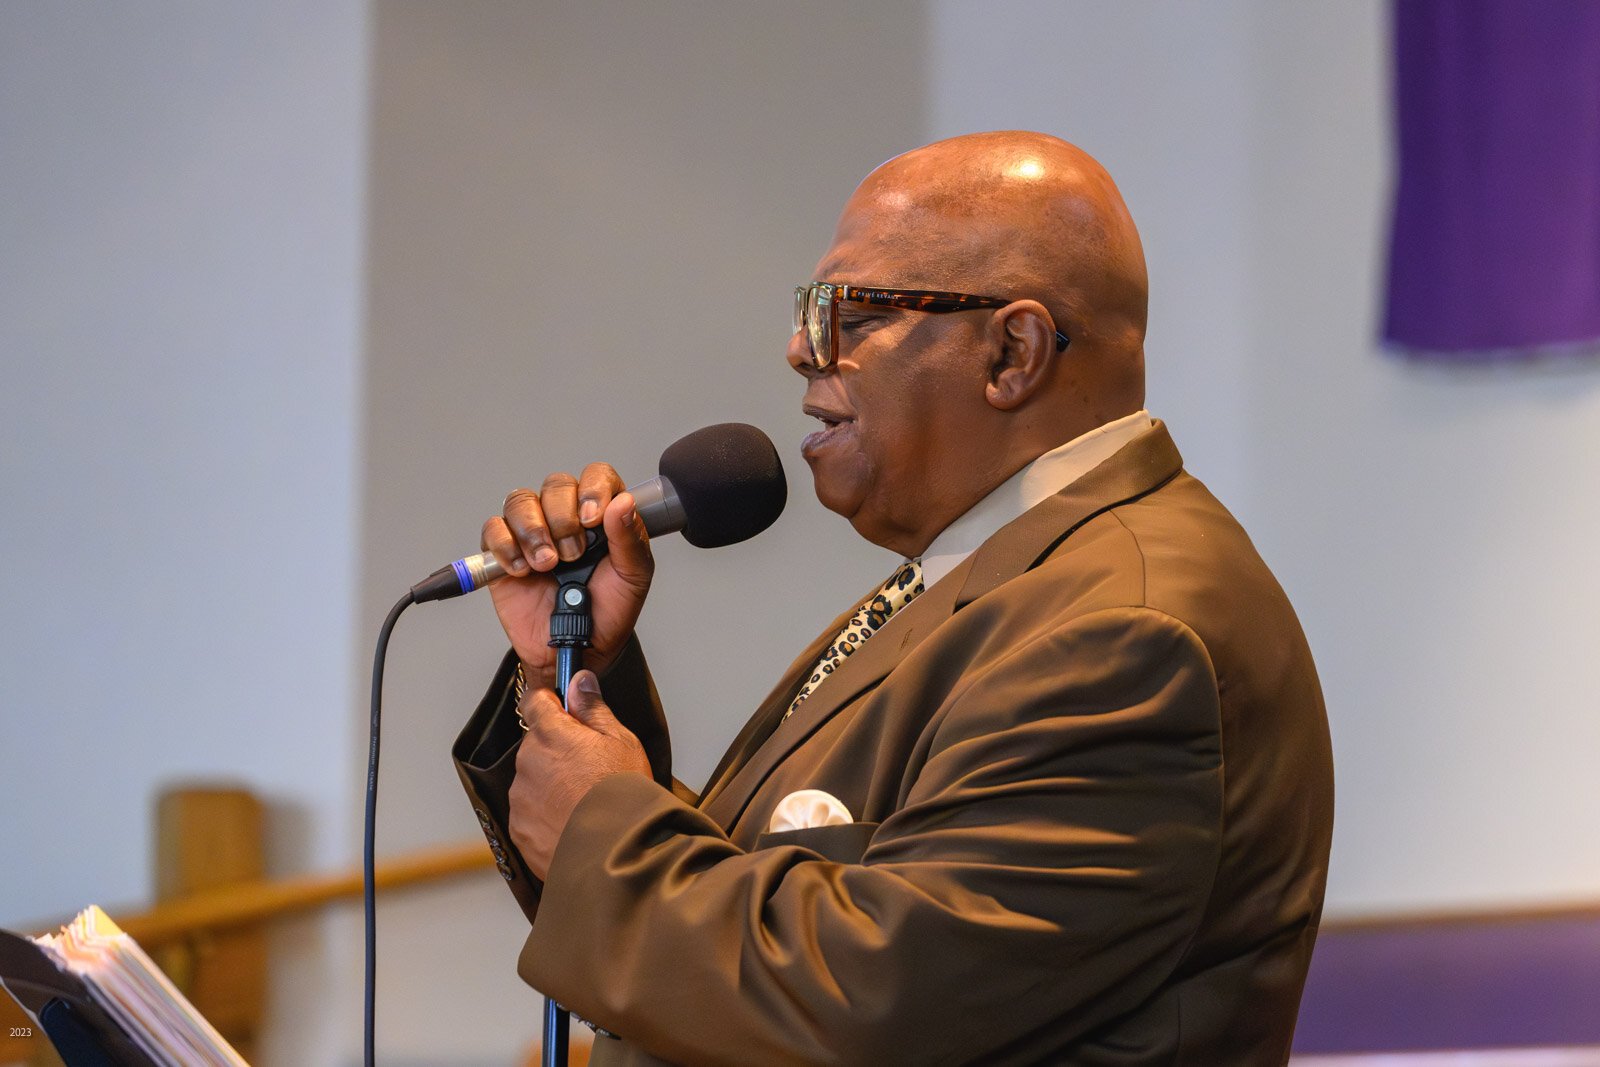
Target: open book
<point>100,999</point>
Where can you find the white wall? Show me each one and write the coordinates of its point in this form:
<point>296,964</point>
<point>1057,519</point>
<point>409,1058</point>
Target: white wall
<point>180,240</point>
<point>1435,528</point>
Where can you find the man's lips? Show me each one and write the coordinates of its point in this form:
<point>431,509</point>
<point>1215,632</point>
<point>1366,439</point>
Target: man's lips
<point>833,423</point>
<point>827,415</point>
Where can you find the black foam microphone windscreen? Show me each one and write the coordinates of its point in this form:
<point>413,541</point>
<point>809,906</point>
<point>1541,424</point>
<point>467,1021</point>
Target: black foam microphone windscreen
<point>730,481</point>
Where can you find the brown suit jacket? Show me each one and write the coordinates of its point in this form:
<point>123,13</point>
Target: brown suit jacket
<point>1092,773</point>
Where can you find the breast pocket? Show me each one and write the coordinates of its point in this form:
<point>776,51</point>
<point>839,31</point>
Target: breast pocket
<point>844,842</point>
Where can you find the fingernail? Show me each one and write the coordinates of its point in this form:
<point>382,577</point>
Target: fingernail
<point>627,520</point>
<point>588,512</point>
<point>545,556</point>
<point>587,683</point>
<point>571,547</point>
<point>519,565</point>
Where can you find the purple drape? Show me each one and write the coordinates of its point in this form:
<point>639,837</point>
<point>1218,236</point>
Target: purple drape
<point>1495,249</point>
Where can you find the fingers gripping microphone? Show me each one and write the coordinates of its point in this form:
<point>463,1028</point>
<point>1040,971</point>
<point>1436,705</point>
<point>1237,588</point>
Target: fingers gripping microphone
<point>719,485</point>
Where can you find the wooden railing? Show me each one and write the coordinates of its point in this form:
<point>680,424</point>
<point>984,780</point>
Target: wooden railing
<point>253,903</point>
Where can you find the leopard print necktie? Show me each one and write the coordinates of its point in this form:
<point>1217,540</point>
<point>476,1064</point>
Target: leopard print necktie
<point>902,587</point>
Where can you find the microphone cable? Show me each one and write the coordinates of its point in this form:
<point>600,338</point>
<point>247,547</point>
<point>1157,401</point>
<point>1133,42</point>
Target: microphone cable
<point>369,839</point>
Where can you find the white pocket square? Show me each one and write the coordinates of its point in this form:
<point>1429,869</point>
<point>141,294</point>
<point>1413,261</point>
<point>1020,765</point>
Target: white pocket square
<point>806,808</point>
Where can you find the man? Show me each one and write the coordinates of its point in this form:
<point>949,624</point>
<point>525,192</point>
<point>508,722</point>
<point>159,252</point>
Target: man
<point>1077,739</point>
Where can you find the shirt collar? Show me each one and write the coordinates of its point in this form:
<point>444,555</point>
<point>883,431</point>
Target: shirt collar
<point>1038,481</point>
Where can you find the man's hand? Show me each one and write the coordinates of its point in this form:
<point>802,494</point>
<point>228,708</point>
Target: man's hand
<point>560,760</point>
<point>540,529</point>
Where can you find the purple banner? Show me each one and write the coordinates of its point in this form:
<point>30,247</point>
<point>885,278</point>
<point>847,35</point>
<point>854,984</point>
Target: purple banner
<point>1495,248</point>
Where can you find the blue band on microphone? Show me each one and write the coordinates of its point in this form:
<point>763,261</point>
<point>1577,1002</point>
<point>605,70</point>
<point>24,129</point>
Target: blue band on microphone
<point>464,576</point>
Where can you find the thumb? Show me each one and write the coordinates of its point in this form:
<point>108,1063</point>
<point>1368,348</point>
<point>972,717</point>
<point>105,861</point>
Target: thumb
<point>629,542</point>
<point>585,704</point>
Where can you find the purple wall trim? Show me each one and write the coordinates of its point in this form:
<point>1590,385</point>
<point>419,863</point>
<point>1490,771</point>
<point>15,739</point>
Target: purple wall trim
<point>1473,983</point>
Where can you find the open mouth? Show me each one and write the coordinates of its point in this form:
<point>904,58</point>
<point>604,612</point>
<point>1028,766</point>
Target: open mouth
<point>832,422</point>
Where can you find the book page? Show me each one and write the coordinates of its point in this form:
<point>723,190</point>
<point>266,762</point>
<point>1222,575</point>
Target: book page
<point>133,990</point>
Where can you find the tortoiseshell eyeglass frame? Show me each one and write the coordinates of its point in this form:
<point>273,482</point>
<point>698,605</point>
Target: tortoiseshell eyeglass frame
<point>821,325</point>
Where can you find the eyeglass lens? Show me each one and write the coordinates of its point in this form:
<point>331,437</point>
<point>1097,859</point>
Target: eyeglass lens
<point>813,306</point>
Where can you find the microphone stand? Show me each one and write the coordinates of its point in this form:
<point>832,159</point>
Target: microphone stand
<point>571,626</point>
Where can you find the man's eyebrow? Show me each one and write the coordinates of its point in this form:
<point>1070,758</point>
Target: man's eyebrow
<point>827,270</point>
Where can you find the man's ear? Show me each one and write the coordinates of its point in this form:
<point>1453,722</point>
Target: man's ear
<point>1026,355</point>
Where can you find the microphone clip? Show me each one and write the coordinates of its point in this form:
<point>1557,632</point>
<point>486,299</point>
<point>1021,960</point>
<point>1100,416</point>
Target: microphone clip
<point>572,621</point>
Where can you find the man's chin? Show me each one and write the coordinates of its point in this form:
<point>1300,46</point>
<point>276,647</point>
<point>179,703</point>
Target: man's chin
<point>839,495</point>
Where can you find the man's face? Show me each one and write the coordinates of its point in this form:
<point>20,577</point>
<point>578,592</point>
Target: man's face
<point>893,453</point>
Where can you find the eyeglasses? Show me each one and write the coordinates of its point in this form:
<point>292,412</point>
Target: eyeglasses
<point>816,311</point>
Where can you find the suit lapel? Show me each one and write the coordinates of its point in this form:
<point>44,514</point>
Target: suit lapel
<point>1145,463</point>
<point>868,666</point>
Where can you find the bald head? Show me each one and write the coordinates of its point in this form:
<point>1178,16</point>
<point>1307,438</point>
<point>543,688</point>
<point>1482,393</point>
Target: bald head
<point>925,413</point>
<point>1017,214</point>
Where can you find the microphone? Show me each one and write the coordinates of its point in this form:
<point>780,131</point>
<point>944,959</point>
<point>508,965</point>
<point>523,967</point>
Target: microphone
<point>719,485</point>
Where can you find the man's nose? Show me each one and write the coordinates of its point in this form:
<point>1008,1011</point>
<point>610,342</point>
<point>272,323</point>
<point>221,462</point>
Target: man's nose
<point>799,354</point>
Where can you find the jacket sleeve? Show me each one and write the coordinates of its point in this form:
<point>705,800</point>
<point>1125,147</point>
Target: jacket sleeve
<point>1045,872</point>
<point>485,756</point>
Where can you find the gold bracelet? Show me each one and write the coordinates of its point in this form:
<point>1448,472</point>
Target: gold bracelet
<point>521,691</point>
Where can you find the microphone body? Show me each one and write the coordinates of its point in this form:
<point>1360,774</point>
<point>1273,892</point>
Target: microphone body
<point>720,485</point>
<point>656,501</point>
